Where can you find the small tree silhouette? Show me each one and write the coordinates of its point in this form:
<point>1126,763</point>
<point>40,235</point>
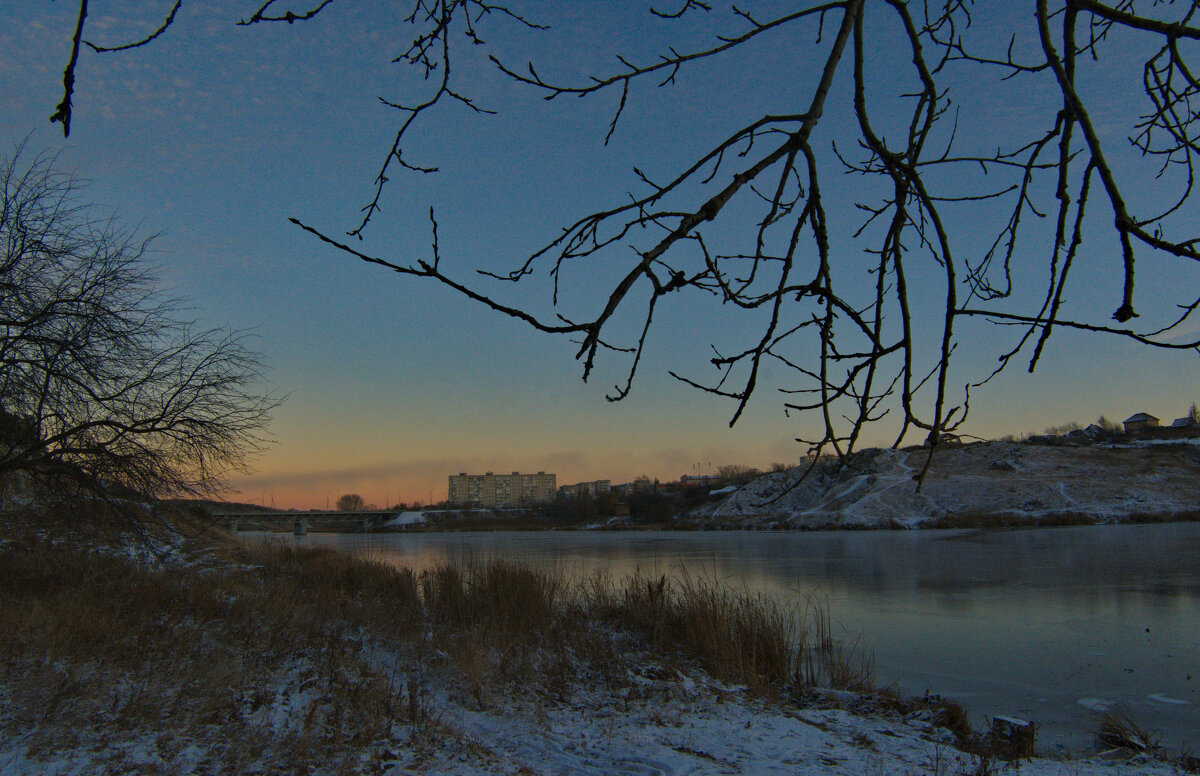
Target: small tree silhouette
<point>351,502</point>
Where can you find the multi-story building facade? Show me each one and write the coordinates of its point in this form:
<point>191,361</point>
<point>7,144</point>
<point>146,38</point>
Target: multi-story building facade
<point>594,488</point>
<point>502,490</point>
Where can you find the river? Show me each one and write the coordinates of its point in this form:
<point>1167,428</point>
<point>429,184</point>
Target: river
<point>1048,624</point>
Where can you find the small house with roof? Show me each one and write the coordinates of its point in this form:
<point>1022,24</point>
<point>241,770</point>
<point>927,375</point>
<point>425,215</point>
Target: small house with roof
<point>1141,420</point>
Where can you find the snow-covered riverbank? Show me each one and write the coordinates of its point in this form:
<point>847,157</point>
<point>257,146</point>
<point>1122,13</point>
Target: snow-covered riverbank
<point>274,660</point>
<point>685,726</point>
<point>976,484</point>
<point>669,724</point>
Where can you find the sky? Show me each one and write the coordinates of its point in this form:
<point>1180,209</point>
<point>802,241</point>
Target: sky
<point>213,135</point>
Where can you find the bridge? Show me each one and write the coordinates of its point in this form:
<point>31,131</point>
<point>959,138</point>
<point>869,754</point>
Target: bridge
<point>359,520</point>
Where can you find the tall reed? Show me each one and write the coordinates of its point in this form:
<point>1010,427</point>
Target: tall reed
<point>109,641</point>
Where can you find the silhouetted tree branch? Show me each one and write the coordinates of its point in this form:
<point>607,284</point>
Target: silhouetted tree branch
<point>946,230</point>
<point>102,384</point>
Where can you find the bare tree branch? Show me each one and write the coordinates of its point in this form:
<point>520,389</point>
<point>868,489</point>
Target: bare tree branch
<point>102,385</point>
<point>856,298</point>
<point>162,28</point>
<point>62,113</point>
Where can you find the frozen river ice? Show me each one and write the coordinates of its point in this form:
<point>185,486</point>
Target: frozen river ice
<point>1049,624</point>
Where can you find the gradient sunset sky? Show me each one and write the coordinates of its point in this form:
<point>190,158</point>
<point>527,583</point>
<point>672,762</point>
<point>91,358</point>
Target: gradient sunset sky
<point>214,135</point>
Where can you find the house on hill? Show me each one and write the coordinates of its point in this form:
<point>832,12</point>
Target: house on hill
<point>1140,421</point>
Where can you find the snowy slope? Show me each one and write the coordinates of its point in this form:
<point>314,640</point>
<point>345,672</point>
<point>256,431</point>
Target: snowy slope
<point>405,518</point>
<point>878,487</point>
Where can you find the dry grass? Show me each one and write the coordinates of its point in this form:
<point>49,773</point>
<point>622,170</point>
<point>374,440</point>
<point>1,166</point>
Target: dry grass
<point>1119,733</point>
<point>267,652</point>
<point>735,635</point>
<point>832,662</point>
<point>1185,516</point>
<point>1011,520</point>
<point>98,647</point>
<point>1119,730</point>
<point>1055,519</point>
<point>493,595</point>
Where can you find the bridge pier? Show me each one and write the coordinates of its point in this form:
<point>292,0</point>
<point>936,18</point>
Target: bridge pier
<point>300,527</point>
<point>234,527</point>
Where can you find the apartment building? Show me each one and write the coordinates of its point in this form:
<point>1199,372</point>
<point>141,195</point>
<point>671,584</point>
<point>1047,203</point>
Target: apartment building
<point>502,490</point>
<point>594,488</point>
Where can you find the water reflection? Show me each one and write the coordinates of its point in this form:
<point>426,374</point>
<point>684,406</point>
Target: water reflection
<point>1024,622</point>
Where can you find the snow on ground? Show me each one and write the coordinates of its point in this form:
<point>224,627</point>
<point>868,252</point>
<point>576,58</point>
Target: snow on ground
<point>702,732</point>
<point>662,723</point>
<point>405,518</point>
<point>878,487</point>
<point>667,721</point>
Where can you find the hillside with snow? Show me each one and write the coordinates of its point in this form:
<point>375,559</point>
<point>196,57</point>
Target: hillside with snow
<point>986,482</point>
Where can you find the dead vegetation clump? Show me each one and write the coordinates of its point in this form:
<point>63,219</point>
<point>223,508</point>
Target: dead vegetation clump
<point>1119,734</point>
<point>1118,730</point>
<point>834,662</point>
<point>735,635</point>
<point>494,595</point>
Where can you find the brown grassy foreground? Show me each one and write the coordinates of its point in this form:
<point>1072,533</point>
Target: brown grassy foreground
<point>226,656</point>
